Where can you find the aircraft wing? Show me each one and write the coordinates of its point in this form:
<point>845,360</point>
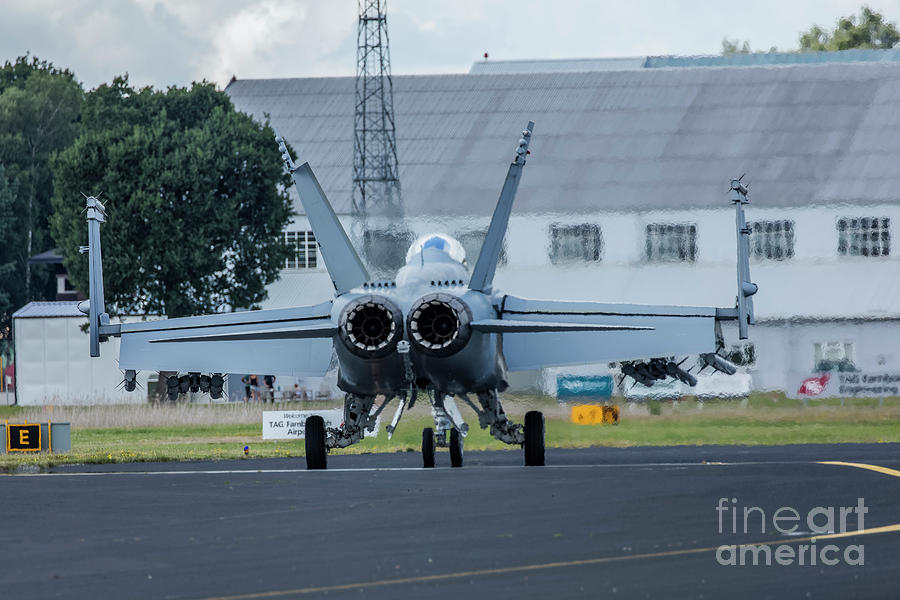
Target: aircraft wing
<point>658,331</point>
<point>291,341</point>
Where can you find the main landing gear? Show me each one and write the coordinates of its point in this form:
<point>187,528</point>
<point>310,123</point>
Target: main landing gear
<point>534,439</point>
<point>449,429</point>
<point>357,420</point>
<point>316,454</point>
<point>530,437</point>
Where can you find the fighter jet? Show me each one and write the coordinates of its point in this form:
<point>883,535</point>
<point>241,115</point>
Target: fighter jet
<point>435,329</point>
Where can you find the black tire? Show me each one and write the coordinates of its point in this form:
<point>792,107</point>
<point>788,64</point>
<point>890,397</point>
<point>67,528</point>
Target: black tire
<point>456,448</point>
<point>428,448</point>
<point>316,455</point>
<point>534,439</point>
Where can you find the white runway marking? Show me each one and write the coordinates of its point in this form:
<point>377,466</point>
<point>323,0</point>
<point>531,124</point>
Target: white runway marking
<point>390,469</point>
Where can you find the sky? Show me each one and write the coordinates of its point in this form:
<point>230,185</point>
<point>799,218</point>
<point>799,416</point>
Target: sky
<point>174,42</point>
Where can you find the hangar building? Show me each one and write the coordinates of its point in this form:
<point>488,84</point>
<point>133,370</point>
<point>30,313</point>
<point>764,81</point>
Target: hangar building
<point>624,198</point>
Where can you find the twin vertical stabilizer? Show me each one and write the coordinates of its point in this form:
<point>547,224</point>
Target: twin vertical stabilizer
<point>483,274</point>
<point>343,263</point>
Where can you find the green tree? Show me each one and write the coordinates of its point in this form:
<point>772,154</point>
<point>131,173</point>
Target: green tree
<point>39,115</point>
<point>736,46</point>
<point>868,30</point>
<point>195,194</point>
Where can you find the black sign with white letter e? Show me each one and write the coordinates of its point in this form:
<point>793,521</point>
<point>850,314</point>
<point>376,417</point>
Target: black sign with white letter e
<point>23,438</point>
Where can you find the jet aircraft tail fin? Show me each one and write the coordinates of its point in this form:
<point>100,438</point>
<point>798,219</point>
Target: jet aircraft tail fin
<point>483,274</point>
<point>343,263</point>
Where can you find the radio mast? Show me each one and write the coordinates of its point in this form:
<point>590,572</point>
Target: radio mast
<point>377,204</point>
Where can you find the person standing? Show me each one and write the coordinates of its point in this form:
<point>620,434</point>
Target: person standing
<point>246,381</point>
<point>254,387</point>
<point>269,381</point>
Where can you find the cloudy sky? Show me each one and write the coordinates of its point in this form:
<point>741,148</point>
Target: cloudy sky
<point>174,42</point>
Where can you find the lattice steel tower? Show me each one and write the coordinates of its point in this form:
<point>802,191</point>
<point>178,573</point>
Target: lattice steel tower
<point>376,185</point>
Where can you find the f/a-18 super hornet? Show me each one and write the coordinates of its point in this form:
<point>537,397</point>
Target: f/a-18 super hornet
<point>434,329</point>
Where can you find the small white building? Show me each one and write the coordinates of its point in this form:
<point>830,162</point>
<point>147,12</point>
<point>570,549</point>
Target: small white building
<point>53,362</point>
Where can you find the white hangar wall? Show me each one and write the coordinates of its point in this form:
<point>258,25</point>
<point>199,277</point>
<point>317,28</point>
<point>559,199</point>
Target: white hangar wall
<point>815,297</point>
<point>786,353</point>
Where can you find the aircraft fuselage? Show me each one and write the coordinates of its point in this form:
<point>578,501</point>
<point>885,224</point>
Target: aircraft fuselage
<point>435,309</point>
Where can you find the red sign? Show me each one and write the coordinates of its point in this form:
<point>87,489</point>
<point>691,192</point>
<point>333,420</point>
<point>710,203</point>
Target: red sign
<point>814,385</point>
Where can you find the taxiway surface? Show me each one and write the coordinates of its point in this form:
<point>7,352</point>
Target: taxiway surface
<point>631,523</point>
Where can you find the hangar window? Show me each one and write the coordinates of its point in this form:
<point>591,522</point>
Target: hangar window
<point>303,251</point>
<point>472,241</point>
<point>864,236</point>
<point>772,240</point>
<point>671,242</point>
<point>575,243</point>
<point>833,356</point>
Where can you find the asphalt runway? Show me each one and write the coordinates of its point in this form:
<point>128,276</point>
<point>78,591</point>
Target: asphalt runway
<point>600,522</point>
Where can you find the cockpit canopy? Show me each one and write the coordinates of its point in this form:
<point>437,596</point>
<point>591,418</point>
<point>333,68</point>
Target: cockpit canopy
<point>437,241</point>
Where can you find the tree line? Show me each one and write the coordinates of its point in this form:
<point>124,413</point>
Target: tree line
<point>867,30</point>
<point>195,192</point>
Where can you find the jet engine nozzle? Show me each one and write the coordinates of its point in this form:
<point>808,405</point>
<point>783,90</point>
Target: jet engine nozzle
<point>439,324</point>
<point>371,326</point>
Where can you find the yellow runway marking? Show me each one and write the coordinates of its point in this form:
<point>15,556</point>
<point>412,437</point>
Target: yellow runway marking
<point>543,566</point>
<point>876,468</point>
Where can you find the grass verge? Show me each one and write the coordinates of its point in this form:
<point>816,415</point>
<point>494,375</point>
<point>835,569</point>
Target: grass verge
<point>141,434</point>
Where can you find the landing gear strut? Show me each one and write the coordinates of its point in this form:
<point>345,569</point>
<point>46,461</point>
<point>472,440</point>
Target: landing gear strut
<point>531,437</point>
<point>357,420</point>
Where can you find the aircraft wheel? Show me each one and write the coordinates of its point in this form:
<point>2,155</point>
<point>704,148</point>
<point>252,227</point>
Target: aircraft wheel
<point>316,455</point>
<point>534,439</point>
<point>428,448</point>
<point>456,448</point>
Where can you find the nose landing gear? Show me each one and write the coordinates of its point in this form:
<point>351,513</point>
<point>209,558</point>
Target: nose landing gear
<point>448,432</point>
<point>456,448</point>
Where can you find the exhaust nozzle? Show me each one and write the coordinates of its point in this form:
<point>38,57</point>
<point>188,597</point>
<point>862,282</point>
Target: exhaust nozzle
<point>371,326</point>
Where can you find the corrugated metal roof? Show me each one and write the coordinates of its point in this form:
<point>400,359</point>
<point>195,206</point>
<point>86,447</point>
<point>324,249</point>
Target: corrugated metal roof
<point>38,310</point>
<point>758,59</point>
<point>564,65</point>
<point>50,257</point>
<point>614,140</point>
